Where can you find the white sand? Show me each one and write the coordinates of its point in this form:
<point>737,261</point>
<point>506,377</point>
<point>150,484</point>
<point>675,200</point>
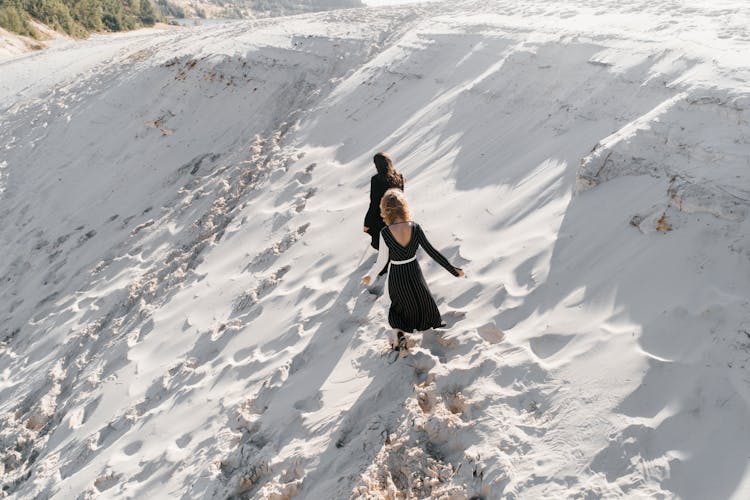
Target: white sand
<point>180,309</point>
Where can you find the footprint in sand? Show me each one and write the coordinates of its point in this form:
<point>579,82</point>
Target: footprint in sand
<point>426,402</point>
<point>438,345</point>
<point>78,416</point>
<point>455,402</point>
<point>310,404</point>
<point>267,257</point>
<point>452,317</point>
<point>269,284</point>
<point>247,300</point>
<point>183,440</point>
<point>306,176</point>
<point>491,333</point>
<point>132,448</point>
<point>302,199</point>
<point>106,480</point>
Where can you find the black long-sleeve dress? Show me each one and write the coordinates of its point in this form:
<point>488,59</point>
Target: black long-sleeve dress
<point>378,186</point>
<point>412,306</point>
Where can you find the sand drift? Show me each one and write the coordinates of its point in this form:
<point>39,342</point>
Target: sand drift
<point>180,309</point>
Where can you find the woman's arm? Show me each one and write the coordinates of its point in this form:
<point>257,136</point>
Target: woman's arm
<point>379,264</point>
<point>437,256</point>
<point>373,211</point>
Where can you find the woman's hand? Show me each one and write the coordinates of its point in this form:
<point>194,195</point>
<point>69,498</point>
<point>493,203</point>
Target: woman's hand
<point>366,229</point>
<point>461,272</point>
<point>366,280</point>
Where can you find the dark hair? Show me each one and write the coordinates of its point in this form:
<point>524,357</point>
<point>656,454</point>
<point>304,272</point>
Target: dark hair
<point>384,164</point>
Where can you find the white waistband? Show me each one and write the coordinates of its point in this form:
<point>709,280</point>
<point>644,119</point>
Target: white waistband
<point>399,262</point>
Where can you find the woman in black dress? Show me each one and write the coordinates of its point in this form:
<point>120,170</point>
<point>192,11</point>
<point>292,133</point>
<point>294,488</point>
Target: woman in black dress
<point>386,178</point>
<point>412,306</point>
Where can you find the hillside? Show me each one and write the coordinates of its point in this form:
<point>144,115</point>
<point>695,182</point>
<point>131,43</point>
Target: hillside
<point>180,310</point>
<point>77,18</point>
<point>27,26</point>
<point>250,9</point>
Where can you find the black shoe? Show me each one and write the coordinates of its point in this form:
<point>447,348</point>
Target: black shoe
<point>401,342</point>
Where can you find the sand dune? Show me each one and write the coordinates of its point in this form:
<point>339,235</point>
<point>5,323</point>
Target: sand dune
<point>181,313</point>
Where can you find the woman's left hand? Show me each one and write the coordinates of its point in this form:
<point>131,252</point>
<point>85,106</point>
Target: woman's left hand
<point>461,272</point>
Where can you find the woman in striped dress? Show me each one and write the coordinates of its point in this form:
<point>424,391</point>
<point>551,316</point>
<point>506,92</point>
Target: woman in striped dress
<point>412,306</point>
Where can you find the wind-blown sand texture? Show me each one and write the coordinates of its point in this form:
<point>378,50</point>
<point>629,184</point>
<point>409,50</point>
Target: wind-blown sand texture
<point>181,237</point>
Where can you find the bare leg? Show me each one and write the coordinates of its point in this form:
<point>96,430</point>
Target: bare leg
<point>399,342</point>
<point>394,338</point>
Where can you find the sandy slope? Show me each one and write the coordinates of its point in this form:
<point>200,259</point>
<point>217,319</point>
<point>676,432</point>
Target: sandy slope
<point>14,45</point>
<point>181,313</point>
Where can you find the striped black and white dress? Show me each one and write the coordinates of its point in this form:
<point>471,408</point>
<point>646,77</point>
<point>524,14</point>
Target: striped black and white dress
<point>412,305</point>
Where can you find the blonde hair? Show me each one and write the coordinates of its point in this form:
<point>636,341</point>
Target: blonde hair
<point>394,206</point>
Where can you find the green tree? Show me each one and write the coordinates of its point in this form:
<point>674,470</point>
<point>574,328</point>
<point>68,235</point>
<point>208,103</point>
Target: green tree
<point>14,18</point>
<point>89,14</point>
<point>54,13</point>
<point>113,15</point>
<point>170,10</point>
<point>147,14</point>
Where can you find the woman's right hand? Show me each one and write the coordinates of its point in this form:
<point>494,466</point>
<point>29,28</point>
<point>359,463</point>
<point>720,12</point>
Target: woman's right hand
<point>366,229</point>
